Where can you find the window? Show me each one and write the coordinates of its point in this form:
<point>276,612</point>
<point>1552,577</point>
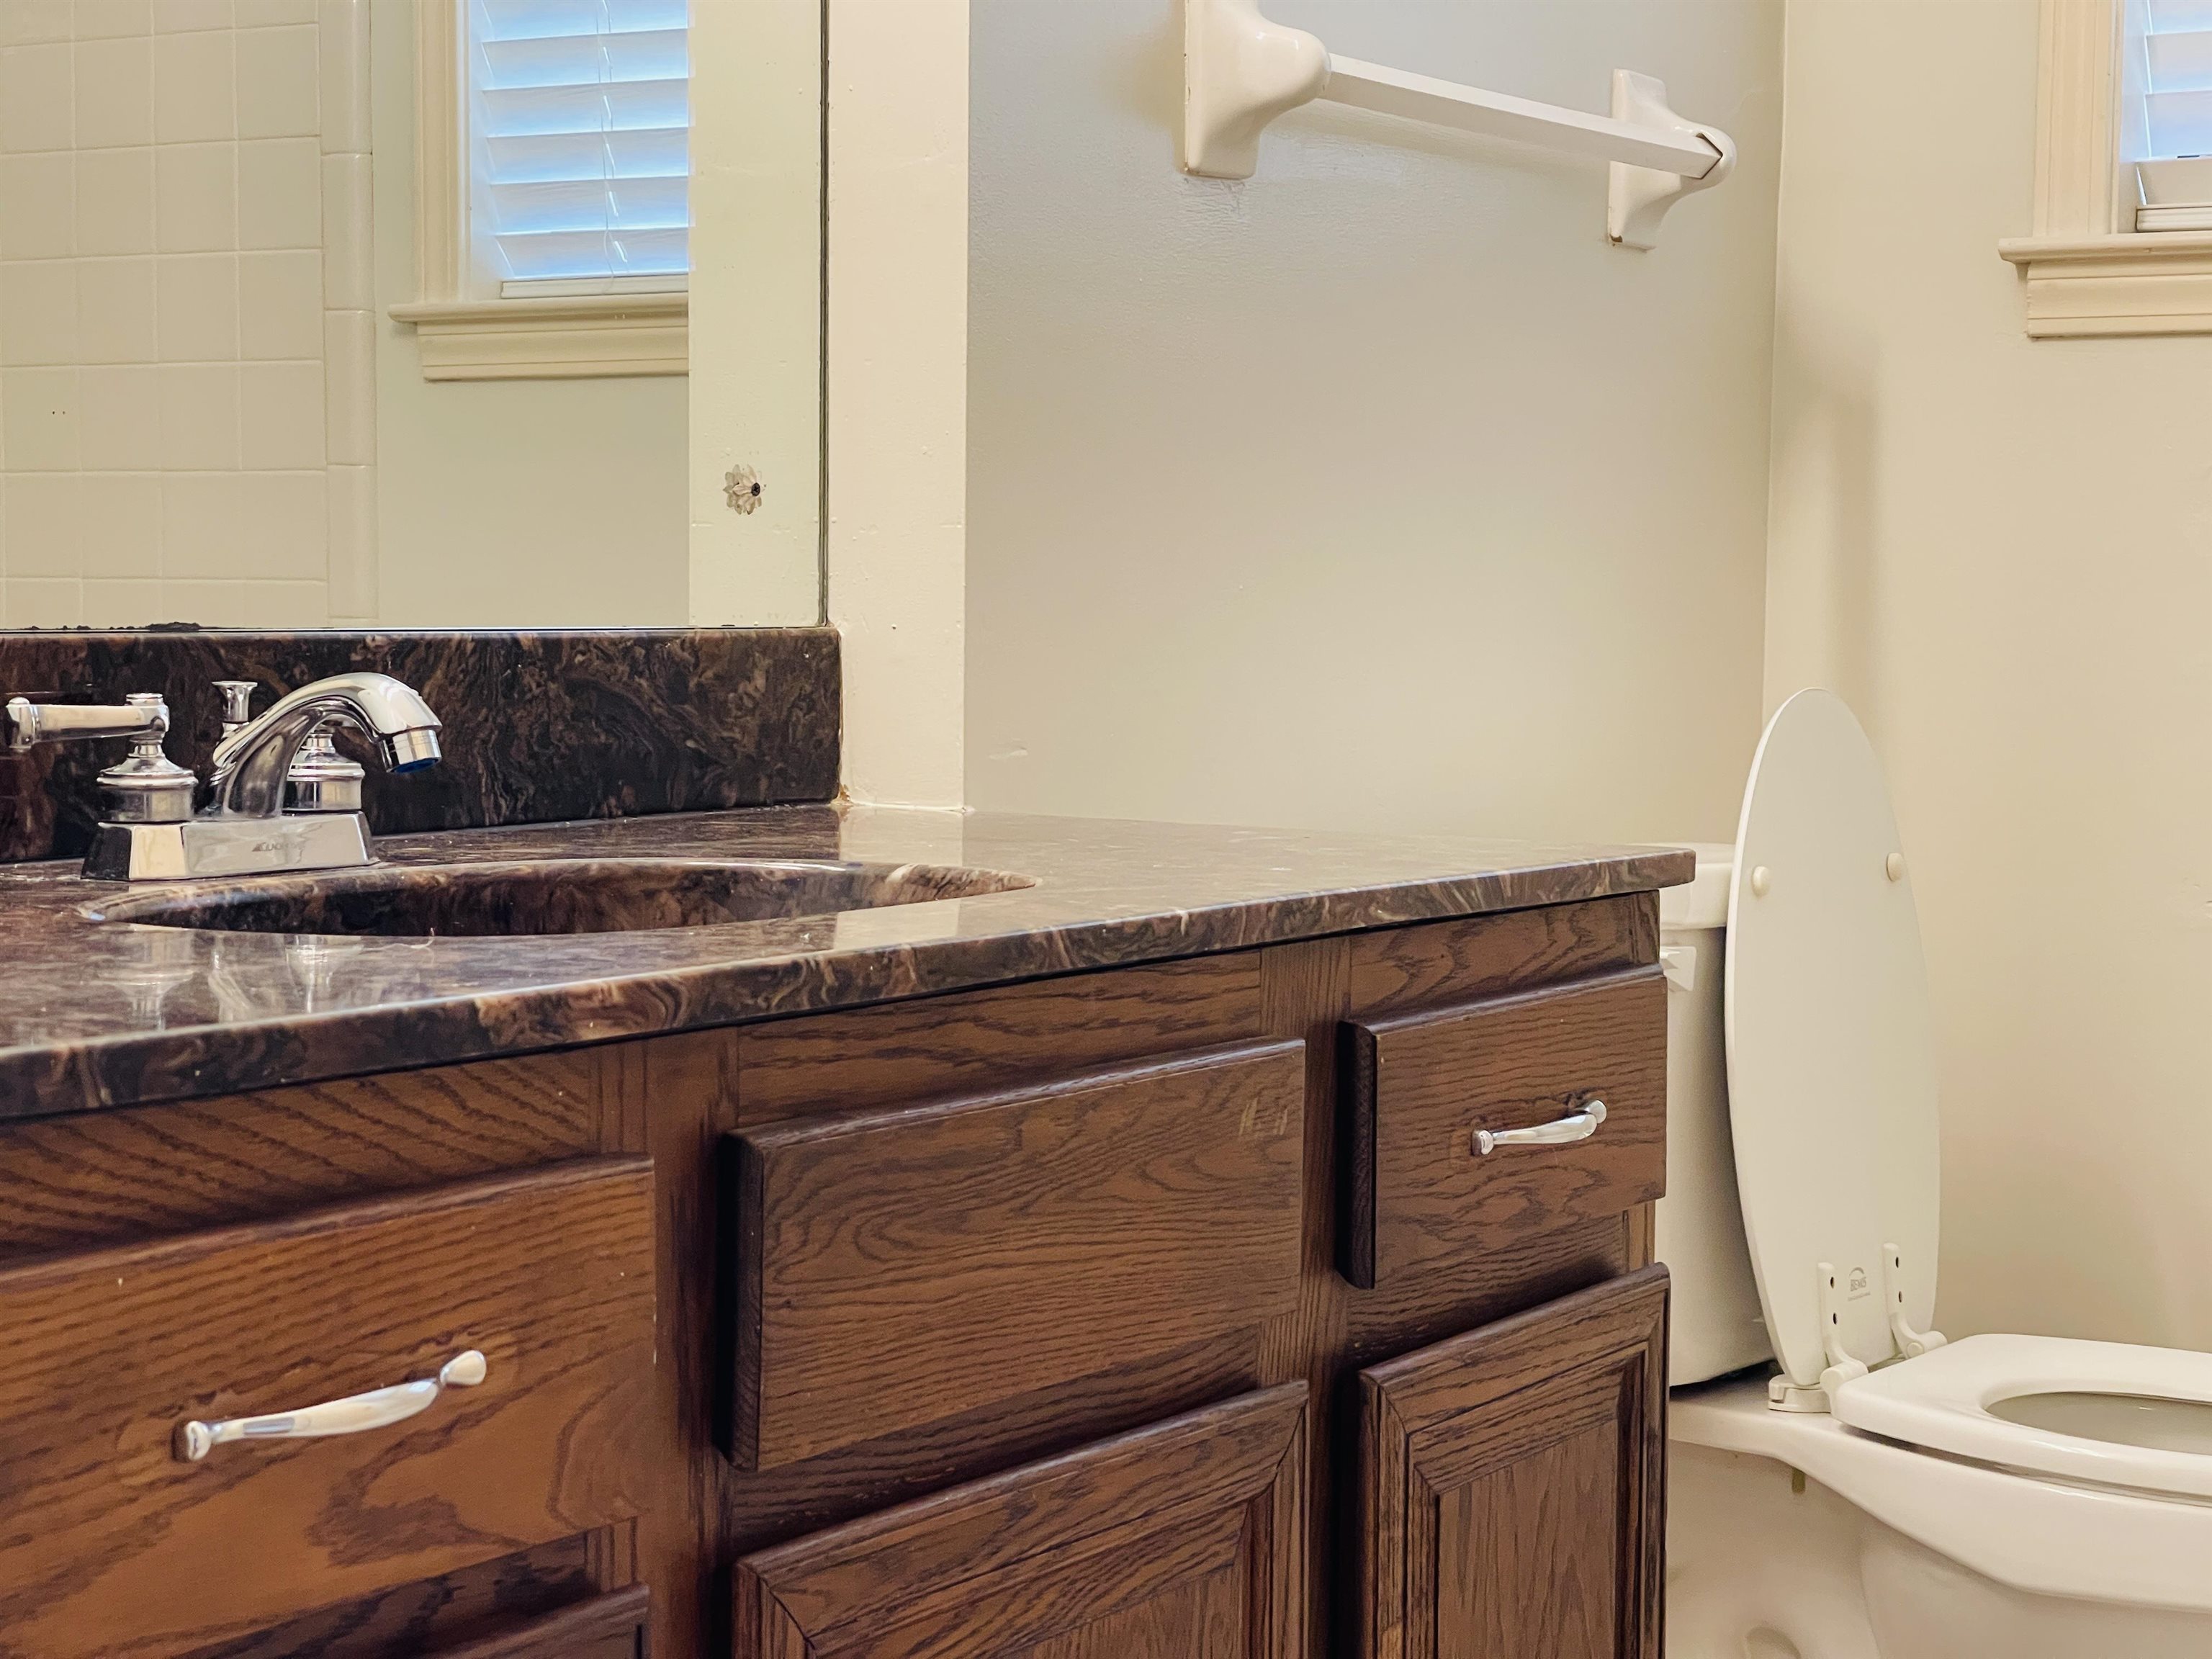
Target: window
<point>2124,107</point>
<point>2165,115</point>
<point>579,125</point>
<point>552,188</point>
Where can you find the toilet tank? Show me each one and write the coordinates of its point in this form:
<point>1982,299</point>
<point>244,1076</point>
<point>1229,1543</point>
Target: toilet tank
<point>1715,1324</point>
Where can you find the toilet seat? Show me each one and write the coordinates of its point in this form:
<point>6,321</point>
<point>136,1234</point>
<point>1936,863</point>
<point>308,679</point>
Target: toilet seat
<point>1941,1402</point>
<point>2016,1458</point>
<point>2097,1544</point>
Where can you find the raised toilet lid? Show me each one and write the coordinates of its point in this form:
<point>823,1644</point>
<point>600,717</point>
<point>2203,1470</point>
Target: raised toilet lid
<point>1831,1070</point>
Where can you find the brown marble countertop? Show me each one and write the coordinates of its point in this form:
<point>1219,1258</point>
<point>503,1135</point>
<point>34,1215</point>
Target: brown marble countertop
<point>97,1014</point>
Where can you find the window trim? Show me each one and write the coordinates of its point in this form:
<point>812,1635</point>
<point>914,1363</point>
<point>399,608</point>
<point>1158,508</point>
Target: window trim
<point>2083,275</point>
<point>464,338</point>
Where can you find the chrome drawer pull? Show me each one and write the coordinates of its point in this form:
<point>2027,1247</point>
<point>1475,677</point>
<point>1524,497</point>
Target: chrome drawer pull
<point>356,1414</point>
<point>1578,1124</point>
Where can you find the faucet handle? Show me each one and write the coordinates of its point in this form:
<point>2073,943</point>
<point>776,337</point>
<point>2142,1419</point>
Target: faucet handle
<point>30,723</point>
<point>147,787</point>
<point>321,778</point>
<point>237,702</point>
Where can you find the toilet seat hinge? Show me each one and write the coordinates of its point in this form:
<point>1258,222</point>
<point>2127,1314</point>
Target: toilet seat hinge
<point>1785,1395</point>
<point>1910,1343</point>
<point>1842,1367</point>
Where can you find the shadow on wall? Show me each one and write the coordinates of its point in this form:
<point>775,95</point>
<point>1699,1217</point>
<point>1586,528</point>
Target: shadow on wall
<point>1823,505</point>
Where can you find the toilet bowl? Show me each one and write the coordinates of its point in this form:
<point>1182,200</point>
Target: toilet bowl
<point>1845,1483</point>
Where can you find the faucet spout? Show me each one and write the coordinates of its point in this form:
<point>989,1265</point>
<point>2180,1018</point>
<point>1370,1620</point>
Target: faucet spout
<point>251,763</point>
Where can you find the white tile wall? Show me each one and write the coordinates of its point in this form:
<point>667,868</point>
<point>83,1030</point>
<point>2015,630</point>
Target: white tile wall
<point>196,313</point>
<point>114,200</point>
<point>347,279</point>
<point>118,418</point>
<point>115,93</point>
<point>195,197</point>
<point>187,395</point>
<point>98,18</point>
<point>280,304</point>
<point>44,189</point>
<point>279,200</point>
<point>115,314</point>
<point>194,86</point>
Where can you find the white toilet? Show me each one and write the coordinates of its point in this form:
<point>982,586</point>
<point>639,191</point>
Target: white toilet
<point>1880,1493</point>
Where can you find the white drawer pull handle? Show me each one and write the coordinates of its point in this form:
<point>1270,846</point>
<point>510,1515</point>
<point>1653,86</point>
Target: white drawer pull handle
<point>356,1414</point>
<point>1578,1124</point>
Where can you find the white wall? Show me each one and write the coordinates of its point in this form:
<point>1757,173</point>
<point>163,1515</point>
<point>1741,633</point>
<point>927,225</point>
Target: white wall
<point>1379,491</point>
<point>1997,549</point>
<point>510,503</point>
<point>897,391</point>
<point>754,388</point>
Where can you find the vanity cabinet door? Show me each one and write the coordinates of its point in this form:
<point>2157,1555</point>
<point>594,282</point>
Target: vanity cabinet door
<point>1512,1486</point>
<point>1183,1540</point>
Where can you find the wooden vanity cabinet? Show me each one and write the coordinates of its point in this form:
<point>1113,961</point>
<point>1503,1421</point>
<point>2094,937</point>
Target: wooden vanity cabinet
<point>1184,1540</point>
<point>1141,1229</point>
<point>896,1266</point>
<point>1511,1484</point>
<point>120,1535</point>
<point>1159,1312</point>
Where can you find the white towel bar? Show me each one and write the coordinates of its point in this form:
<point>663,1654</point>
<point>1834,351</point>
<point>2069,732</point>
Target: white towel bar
<point>1241,71</point>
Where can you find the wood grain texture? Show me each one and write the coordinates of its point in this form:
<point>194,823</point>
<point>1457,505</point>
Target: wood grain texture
<point>1185,1541</point>
<point>1334,1328</point>
<point>1456,962</point>
<point>1643,1234</point>
<point>429,1615</point>
<point>966,1043</point>
<point>106,1177</point>
<point>686,1094</point>
<point>1417,1086</point>
<point>681,1099</point>
<point>610,1627</point>
<point>1511,1501</point>
<point>110,1546</point>
<point>894,1268</point>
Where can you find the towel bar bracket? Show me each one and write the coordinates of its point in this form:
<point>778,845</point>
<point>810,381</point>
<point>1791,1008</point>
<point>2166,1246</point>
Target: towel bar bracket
<point>1241,71</point>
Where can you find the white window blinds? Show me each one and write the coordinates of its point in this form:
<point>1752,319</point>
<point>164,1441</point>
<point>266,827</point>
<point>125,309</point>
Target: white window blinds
<point>579,119</point>
<point>2166,106</point>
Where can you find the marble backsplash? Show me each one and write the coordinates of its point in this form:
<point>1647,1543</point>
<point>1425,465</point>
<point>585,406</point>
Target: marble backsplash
<point>539,726</point>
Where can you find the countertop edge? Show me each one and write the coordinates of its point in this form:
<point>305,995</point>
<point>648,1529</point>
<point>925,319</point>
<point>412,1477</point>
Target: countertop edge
<point>199,1062</point>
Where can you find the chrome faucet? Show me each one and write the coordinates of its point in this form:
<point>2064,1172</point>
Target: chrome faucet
<point>282,798</point>
<point>252,763</point>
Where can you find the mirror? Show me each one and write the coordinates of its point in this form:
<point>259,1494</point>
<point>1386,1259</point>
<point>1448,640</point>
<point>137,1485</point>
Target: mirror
<point>347,313</point>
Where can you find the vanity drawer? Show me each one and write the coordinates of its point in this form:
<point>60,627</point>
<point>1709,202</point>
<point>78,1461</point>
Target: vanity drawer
<point>1419,1087</point>
<point>114,1542</point>
<point>894,1268</point>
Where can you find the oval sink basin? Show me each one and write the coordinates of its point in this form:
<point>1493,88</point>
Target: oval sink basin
<point>546,895</point>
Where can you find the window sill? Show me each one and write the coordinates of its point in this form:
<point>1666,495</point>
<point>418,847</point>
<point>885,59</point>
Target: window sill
<point>2151,283</point>
<point>585,337</point>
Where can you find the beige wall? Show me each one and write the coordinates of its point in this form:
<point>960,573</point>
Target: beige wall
<point>1997,549</point>
<point>534,503</point>
<point>894,553</point>
<point>1379,491</point>
<point>756,312</point>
